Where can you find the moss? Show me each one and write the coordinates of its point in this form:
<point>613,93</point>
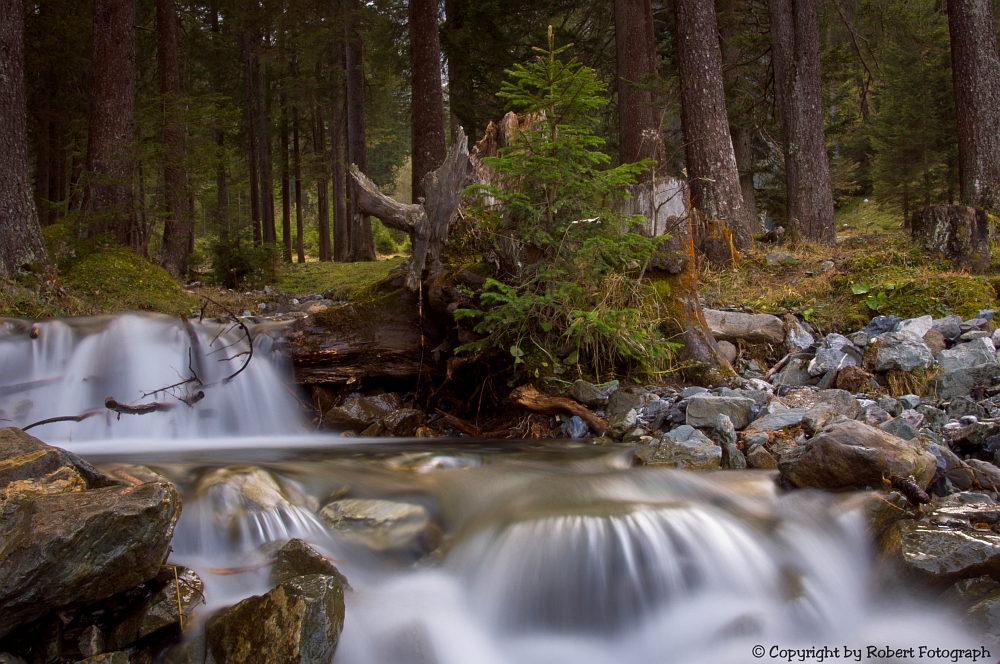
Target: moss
<point>343,279</point>
<point>116,279</point>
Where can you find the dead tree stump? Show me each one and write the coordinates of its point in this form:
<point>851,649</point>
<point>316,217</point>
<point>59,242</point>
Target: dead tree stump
<point>958,232</point>
<point>428,221</point>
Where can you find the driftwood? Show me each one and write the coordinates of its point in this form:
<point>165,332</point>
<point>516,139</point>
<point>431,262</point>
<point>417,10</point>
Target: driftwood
<point>531,399</point>
<point>427,222</point>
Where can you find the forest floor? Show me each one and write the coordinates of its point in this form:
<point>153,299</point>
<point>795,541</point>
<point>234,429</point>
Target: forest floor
<point>873,269</point>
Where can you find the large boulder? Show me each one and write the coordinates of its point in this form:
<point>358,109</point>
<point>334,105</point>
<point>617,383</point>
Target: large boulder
<point>961,382</point>
<point>753,328</point>
<point>299,622</point>
<point>69,535</point>
<point>940,556</point>
<point>967,355</point>
<point>903,352</point>
<point>850,455</point>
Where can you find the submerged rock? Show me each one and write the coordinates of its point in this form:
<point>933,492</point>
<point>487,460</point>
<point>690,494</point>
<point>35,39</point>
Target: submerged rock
<point>63,542</point>
<point>381,525</point>
<point>298,622</point>
<point>851,455</point>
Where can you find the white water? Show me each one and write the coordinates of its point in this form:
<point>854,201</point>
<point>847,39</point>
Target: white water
<point>558,554</point>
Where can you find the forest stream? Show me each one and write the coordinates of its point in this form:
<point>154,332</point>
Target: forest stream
<point>492,551</point>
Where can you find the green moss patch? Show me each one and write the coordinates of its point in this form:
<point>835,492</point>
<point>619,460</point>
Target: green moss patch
<point>344,279</point>
<point>119,280</point>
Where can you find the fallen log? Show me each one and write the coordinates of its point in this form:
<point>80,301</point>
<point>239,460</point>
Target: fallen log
<point>529,398</point>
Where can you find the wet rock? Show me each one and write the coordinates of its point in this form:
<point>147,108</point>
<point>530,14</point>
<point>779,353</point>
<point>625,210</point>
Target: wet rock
<point>117,657</point>
<point>298,622</point>
<point>684,447</point>
<point>902,352</point>
<point>91,642</point>
<point>360,412</point>
<point>404,422</point>
<point>638,435</point>
<point>782,419</point>
<point>881,325</point>
<point>296,558</point>
<point>575,427</point>
<point>853,379</point>
<point>237,491</point>
<point>984,617</point>
<point>703,410</point>
<point>592,395</point>
<point>949,327</point>
<point>80,546</point>
<point>938,555</point>
<point>852,455</point>
<point>656,411</point>
<point>797,337</point>
<point>160,610</point>
<point>753,328</point>
<point>380,525</point>
<point>969,591</point>
<point>959,407</point>
<point>901,428</point>
<point>758,457</point>
<point>882,509</point>
<point>621,423</point>
<point>966,355</point>
<point>621,402</point>
<point>961,382</point>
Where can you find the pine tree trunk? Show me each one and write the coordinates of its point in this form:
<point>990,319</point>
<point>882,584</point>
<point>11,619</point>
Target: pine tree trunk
<point>176,222</point>
<point>976,73</point>
<point>460,101</point>
<point>362,240</point>
<point>252,143</point>
<point>297,159</point>
<point>269,233</point>
<point>322,191</point>
<point>795,54</point>
<point>20,234</point>
<point>286,203</point>
<point>711,162</point>
<point>108,200</point>
<point>428,143</point>
<point>635,52</point>
<point>338,149</point>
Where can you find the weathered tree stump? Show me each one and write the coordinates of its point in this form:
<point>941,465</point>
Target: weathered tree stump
<point>958,232</point>
<point>428,221</point>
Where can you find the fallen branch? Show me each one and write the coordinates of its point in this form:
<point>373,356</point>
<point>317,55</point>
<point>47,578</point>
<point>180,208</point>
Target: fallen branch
<point>111,404</point>
<point>458,423</point>
<point>778,366</point>
<point>531,399</point>
<point>64,418</point>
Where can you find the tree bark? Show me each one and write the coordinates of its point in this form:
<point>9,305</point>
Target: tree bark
<point>798,93</point>
<point>286,203</point>
<point>362,240</point>
<point>460,101</point>
<point>108,202</point>
<point>427,135</point>
<point>176,222</point>
<point>338,149</point>
<point>635,52</point>
<point>20,234</point>
<point>427,223</point>
<point>958,232</point>
<point>976,73</point>
<point>711,162</point>
<point>298,185</point>
<point>269,233</point>
<point>252,143</point>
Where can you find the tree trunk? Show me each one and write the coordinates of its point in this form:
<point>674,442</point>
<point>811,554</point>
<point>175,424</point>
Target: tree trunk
<point>108,202</point>
<point>460,102</point>
<point>795,55</point>
<point>665,205</point>
<point>20,234</point>
<point>635,52</point>
<point>428,142</point>
<point>976,73</point>
<point>322,192</point>
<point>286,203</point>
<point>362,240</point>
<point>427,223</point>
<point>957,232</point>
<point>252,144</point>
<point>269,232</point>
<point>176,222</point>
<point>711,163</point>
<point>338,149</point>
<point>43,159</point>
<point>298,185</point>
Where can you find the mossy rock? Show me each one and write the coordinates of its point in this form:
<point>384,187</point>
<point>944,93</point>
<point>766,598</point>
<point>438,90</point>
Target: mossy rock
<point>116,279</point>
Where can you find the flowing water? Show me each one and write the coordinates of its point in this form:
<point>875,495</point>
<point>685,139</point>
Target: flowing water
<point>555,552</point>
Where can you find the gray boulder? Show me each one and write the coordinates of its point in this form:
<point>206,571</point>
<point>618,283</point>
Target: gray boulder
<point>752,328</point>
<point>901,428</point>
<point>949,327</point>
<point>575,427</point>
<point>880,325</point>
<point>966,355</point>
<point>70,535</point>
<point>903,352</point>
<point>298,622</point>
<point>404,421</point>
<point>592,395</point>
<point>797,337</point>
<point>778,420</point>
<point>961,382</point>
<point>684,447</point>
<point>795,372</point>
<point>851,455</point>
<point>940,555</point>
<point>759,457</point>
<point>959,407</point>
<point>829,359</point>
<point>621,402</point>
<point>915,327</point>
<point>703,410</point>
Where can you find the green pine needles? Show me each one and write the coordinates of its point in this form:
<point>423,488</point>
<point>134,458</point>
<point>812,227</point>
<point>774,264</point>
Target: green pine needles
<point>575,303</point>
